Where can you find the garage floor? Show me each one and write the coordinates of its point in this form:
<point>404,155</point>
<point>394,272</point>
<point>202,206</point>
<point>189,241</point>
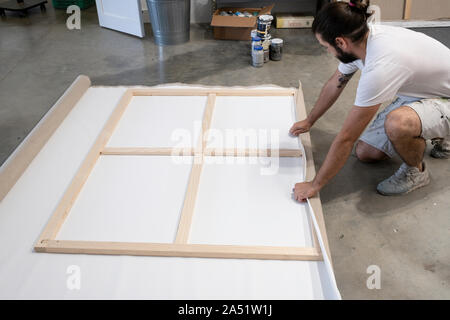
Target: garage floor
<point>408,237</point>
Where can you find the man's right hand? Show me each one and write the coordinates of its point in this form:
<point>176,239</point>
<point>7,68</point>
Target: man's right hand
<point>300,127</point>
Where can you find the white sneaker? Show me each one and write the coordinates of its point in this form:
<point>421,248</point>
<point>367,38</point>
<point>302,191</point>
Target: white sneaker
<point>405,180</point>
<point>441,148</point>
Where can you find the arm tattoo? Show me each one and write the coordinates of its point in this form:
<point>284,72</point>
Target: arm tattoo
<point>344,78</point>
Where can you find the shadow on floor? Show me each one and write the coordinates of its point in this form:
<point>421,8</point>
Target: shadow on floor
<point>360,179</point>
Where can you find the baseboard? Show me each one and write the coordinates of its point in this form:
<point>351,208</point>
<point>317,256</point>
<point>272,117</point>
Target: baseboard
<point>418,23</point>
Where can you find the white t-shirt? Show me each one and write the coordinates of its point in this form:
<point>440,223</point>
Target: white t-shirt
<point>400,62</point>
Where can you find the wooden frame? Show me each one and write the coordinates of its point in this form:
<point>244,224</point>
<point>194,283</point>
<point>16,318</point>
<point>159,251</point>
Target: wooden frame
<point>47,241</point>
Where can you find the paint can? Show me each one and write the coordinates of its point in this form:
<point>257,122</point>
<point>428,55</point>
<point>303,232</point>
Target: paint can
<point>263,25</point>
<point>256,41</point>
<point>258,57</point>
<point>276,49</point>
<point>254,33</point>
<point>266,48</point>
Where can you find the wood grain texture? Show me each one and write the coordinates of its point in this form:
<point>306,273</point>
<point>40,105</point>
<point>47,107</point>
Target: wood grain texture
<point>141,151</point>
<point>21,158</point>
<point>207,118</point>
<point>253,152</point>
<point>184,226</point>
<point>207,152</point>
<point>65,204</point>
<point>179,250</point>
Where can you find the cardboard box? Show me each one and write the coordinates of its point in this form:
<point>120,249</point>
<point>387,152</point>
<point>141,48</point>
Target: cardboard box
<point>393,10</point>
<point>430,10</point>
<point>293,21</point>
<point>390,9</point>
<point>234,27</point>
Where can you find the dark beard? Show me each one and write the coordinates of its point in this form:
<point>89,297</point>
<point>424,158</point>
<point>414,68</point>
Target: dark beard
<point>345,57</point>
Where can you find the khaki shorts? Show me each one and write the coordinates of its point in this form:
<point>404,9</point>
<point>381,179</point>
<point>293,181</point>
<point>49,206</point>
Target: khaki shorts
<point>433,113</point>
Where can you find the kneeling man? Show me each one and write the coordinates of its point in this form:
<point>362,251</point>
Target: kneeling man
<point>394,63</point>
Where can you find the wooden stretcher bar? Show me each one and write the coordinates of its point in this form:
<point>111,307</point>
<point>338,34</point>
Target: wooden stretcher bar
<point>181,247</point>
<point>141,151</point>
<point>180,250</point>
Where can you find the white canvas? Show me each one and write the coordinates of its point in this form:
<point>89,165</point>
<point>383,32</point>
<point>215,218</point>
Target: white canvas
<point>129,199</point>
<point>26,209</point>
<point>248,201</point>
<point>265,116</point>
<point>159,122</point>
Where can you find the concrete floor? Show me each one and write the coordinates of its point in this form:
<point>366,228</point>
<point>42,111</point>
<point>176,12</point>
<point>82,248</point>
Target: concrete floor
<point>407,237</point>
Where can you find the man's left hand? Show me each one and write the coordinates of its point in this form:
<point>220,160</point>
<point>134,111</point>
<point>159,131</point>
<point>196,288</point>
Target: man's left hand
<point>304,190</point>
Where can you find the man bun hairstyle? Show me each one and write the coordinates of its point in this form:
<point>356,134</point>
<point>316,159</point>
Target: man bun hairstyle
<point>360,6</point>
<point>342,19</point>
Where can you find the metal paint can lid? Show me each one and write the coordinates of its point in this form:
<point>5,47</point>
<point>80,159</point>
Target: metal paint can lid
<point>265,17</point>
<point>277,41</point>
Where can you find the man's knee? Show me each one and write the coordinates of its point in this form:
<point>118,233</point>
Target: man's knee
<point>366,153</point>
<point>402,122</point>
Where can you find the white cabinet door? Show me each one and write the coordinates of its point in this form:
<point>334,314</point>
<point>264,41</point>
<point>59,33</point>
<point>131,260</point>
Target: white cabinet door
<point>121,15</point>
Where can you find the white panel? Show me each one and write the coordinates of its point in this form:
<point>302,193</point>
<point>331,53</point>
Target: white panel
<point>248,201</point>
<point>257,114</point>
<point>158,121</point>
<point>123,15</point>
<point>130,199</point>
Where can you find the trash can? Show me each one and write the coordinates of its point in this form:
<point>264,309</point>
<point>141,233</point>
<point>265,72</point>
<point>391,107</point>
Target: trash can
<point>170,20</point>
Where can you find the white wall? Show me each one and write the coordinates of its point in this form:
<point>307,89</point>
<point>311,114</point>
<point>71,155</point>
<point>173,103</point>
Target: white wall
<point>200,11</point>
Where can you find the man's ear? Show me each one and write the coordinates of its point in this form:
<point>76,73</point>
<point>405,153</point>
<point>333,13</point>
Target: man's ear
<point>341,43</point>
